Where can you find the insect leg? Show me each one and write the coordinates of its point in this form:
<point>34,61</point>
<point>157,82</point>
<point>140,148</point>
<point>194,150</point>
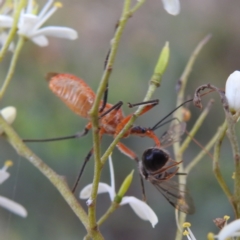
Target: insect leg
<point>77,135</point>
<point>87,158</point>
<point>144,198</point>
<point>128,152</point>
<point>150,102</point>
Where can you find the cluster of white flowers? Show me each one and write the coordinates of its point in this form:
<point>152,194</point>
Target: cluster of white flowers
<point>30,23</point>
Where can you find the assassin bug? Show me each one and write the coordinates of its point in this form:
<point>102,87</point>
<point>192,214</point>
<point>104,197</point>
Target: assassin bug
<point>79,97</point>
<point>155,163</point>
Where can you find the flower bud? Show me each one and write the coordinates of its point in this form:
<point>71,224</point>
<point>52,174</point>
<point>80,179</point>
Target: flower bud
<point>232,91</point>
<point>9,114</point>
<point>125,185</point>
<point>163,60</point>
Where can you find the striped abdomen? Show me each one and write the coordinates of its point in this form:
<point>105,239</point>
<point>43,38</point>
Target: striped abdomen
<point>74,92</point>
<point>79,97</point>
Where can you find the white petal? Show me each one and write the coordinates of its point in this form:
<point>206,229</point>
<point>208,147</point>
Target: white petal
<point>172,6</point>
<point>229,230</point>
<point>112,177</point>
<point>13,206</point>
<point>232,91</point>
<point>3,176</point>
<point>41,41</point>
<point>102,188</point>
<point>6,21</point>
<point>26,24</point>
<point>9,114</point>
<point>141,209</point>
<point>60,32</point>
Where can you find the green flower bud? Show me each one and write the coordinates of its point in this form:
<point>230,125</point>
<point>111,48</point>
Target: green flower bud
<point>124,187</point>
<point>162,61</point>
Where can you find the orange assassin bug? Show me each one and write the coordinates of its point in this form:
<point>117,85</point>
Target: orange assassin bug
<point>79,97</point>
<point>155,163</point>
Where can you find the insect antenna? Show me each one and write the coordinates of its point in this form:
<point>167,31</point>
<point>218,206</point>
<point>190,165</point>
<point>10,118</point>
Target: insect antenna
<point>105,96</point>
<point>159,124</point>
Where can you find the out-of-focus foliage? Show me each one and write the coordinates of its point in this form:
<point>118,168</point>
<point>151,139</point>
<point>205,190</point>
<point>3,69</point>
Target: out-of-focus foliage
<point>41,114</point>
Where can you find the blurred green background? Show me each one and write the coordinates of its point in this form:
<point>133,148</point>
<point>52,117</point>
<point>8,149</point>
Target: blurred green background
<point>42,115</point>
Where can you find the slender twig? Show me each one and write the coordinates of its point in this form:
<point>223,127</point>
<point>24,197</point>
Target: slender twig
<point>94,112</point>
<point>12,66</point>
<point>231,132</point>
<point>136,7</point>
<point>200,155</point>
<point>216,168</point>
<point>12,32</point>
<point>181,85</point>
<point>196,127</point>
<point>54,178</point>
<point>231,122</point>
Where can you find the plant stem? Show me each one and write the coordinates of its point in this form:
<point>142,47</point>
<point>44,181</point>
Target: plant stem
<point>196,127</point>
<point>196,160</point>
<point>216,169</point>
<point>176,147</point>
<point>12,66</point>
<point>58,181</point>
<point>12,32</point>
<point>94,112</point>
<point>236,155</point>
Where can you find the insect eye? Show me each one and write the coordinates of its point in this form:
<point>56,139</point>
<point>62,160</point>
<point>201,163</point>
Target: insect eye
<point>154,159</point>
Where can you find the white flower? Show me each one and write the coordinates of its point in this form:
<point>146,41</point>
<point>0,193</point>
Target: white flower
<point>138,206</point>
<point>29,24</point>
<point>6,21</point>
<point>232,91</point>
<point>230,230</point>
<point>9,114</point>
<point>172,6</point>
<point>5,202</point>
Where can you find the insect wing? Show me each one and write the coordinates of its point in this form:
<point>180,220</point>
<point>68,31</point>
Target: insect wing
<point>173,134</point>
<point>178,198</point>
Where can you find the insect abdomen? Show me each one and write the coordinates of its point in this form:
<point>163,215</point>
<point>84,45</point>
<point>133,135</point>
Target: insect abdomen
<point>73,91</point>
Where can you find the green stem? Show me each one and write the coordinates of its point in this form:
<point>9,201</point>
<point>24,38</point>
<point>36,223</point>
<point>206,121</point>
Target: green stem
<point>12,32</point>
<point>184,78</point>
<point>12,66</point>
<point>136,7</point>
<point>94,112</point>
<point>216,169</point>
<point>236,155</point>
<point>106,215</point>
<point>54,178</point>
<point>196,127</point>
<point>178,114</point>
<point>196,160</point>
